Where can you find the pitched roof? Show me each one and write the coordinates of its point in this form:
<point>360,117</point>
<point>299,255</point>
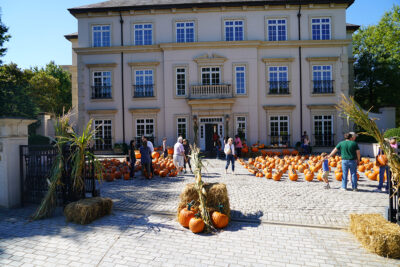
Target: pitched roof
<point>352,27</point>
<point>124,5</point>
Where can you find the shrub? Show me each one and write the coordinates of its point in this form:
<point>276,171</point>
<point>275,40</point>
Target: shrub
<point>37,139</point>
<point>392,133</point>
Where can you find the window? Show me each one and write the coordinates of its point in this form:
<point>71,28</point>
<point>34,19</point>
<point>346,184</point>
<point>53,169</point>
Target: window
<point>101,35</point>
<point>182,127</point>
<point>144,86</point>
<point>322,80</point>
<point>278,80</point>
<point>210,76</point>
<point>143,34</point>
<point>277,30</point>
<point>279,130</point>
<point>321,28</point>
<point>180,81</point>
<point>103,135</point>
<point>145,127</point>
<point>101,88</point>
<point>240,79</point>
<point>185,32</point>
<point>241,127</point>
<point>323,130</point>
<point>234,30</point>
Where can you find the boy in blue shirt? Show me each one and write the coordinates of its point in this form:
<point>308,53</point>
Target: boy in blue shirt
<point>325,169</point>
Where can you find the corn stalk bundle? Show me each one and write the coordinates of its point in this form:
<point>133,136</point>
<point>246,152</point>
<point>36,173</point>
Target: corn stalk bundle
<point>199,186</point>
<point>352,111</point>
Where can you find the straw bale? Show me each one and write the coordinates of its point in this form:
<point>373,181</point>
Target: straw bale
<point>216,194</point>
<point>87,210</point>
<point>376,234</point>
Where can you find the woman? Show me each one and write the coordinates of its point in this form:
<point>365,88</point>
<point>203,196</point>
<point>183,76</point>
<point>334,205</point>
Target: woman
<point>230,155</point>
<point>383,168</point>
<point>132,158</point>
<point>238,145</point>
<point>179,153</point>
<point>187,153</point>
<point>164,147</point>
<point>145,159</point>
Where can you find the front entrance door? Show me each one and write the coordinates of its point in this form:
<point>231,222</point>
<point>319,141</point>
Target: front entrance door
<point>210,130</point>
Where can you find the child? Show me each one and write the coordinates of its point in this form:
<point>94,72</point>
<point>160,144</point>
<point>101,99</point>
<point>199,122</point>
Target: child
<point>325,169</point>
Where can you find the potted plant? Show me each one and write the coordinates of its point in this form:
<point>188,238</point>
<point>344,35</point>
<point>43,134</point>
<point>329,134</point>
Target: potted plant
<point>118,148</point>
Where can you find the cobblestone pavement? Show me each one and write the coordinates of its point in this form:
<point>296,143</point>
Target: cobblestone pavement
<point>301,202</point>
<point>127,239</point>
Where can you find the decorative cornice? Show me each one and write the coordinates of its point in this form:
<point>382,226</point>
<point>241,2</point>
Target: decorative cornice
<point>140,64</point>
<point>101,65</point>
<point>214,58</point>
<point>102,111</point>
<point>144,110</point>
<point>276,59</point>
<point>312,59</point>
<point>321,106</point>
<point>278,107</point>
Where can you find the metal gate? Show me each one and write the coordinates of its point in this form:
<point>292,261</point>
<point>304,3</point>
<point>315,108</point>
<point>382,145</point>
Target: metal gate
<point>35,168</point>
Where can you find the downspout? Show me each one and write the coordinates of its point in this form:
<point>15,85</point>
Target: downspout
<point>121,21</point>
<point>301,72</point>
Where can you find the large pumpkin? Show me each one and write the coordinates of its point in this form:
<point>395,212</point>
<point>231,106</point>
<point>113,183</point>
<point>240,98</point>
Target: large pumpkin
<point>245,150</point>
<point>219,219</point>
<point>155,155</point>
<point>196,225</point>
<point>254,149</point>
<point>170,151</point>
<point>293,176</point>
<point>382,159</point>
<point>338,176</point>
<point>309,176</point>
<point>185,215</point>
<point>137,154</point>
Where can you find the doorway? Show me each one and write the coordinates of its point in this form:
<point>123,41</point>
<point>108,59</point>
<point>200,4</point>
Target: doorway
<point>210,130</point>
<point>208,126</point>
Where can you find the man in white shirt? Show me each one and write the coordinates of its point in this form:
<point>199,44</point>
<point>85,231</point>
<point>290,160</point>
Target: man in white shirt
<point>229,150</point>
<point>151,147</point>
<point>179,153</point>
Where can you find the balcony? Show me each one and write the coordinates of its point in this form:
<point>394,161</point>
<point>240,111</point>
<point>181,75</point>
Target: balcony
<point>280,139</point>
<point>101,92</point>
<point>210,91</point>
<point>323,87</point>
<point>143,90</point>
<point>324,140</point>
<point>278,88</point>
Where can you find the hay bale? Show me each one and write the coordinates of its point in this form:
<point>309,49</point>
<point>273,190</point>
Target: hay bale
<point>216,194</point>
<point>87,210</point>
<point>376,234</point>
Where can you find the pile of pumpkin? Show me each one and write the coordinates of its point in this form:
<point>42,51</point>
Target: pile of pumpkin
<point>370,169</point>
<point>190,218</point>
<point>115,169</point>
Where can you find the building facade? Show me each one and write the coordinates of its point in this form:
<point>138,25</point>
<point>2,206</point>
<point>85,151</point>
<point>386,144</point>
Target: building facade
<point>268,70</point>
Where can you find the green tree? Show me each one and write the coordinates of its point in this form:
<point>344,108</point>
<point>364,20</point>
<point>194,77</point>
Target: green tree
<point>4,37</point>
<point>14,97</point>
<point>376,49</point>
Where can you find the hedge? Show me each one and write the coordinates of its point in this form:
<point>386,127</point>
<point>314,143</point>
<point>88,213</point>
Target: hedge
<point>392,132</point>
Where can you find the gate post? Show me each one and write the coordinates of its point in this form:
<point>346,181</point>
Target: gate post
<point>13,133</point>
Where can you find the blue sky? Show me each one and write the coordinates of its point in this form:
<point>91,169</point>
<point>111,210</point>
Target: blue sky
<point>38,27</point>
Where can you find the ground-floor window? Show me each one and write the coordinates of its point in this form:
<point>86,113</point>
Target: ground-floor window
<point>145,127</point>
<point>279,130</point>
<point>103,134</point>
<point>241,127</point>
<point>323,130</point>
<point>182,127</point>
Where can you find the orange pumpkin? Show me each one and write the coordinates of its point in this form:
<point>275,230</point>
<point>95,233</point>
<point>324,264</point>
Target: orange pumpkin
<point>382,159</point>
<point>245,150</point>
<point>319,176</point>
<point>219,219</point>
<point>277,176</point>
<point>338,175</point>
<point>254,149</point>
<point>309,176</point>
<point>186,214</point>
<point>155,155</point>
<point>268,175</point>
<point>361,168</point>
<point>196,224</point>
<point>170,151</point>
<point>293,176</point>
<point>126,176</point>
<point>137,154</point>
<point>373,176</point>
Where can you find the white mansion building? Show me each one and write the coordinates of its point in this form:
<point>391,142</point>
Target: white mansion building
<point>161,68</point>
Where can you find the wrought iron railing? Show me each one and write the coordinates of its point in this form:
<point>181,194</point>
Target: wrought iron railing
<point>278,87</point>
<point>211,91</point>
<point>280,140</point>
<point>324,140</point>
<point>323,87</point>
<point>143,90</point>
<point>101,92</point>
<point>103,143</point>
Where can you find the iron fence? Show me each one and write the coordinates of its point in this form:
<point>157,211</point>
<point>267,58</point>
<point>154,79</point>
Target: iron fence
<point>324,140</point>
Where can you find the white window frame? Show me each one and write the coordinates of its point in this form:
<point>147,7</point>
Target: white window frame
<point>211,72</point>
<point>102,123</point>
<point>145,83</point>
<point>320,23</point>
<point>279,70</point>
<point>143,29</point>
<point>234,29</point>
<point>244,71</point>
<point>241,121</point>
<point>177,73</point>
<point>102,76</point>
<point>279,120</point>
<point>323,121</point>
<point>182,121</point>
<point>185,28</point>
<point>146,121</point>
<point>102,32</point>
<point>275,36</point>
<point>322,75</point>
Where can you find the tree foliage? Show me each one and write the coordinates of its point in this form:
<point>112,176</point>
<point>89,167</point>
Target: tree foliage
<point>4,37</point>
<point>377,67</point>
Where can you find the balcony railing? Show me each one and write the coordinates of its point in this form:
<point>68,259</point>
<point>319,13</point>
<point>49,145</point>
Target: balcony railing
<point>324,140</point>
<point>278,87</point>
<point>323,87</point>
<point>280,139</point>
<point>211,91</point>
<point>101,92</point>
<point>143,90</point>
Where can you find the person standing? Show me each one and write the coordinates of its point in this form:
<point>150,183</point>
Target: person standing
<point>230,155</point>
<point>145,159</point>
<point>325,169</point>
<point>350,153</point>
<point>179,153</point>
<point>151,149</point>
<point>238,146</point>
<point>164,147</point>
<point>218,147</point>
<point>381,161</point>
<point>132,157</point>
<point>187,149</point>
<point>393,144</point>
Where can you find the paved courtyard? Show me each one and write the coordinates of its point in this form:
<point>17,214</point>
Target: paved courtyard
<point>275,224</point>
